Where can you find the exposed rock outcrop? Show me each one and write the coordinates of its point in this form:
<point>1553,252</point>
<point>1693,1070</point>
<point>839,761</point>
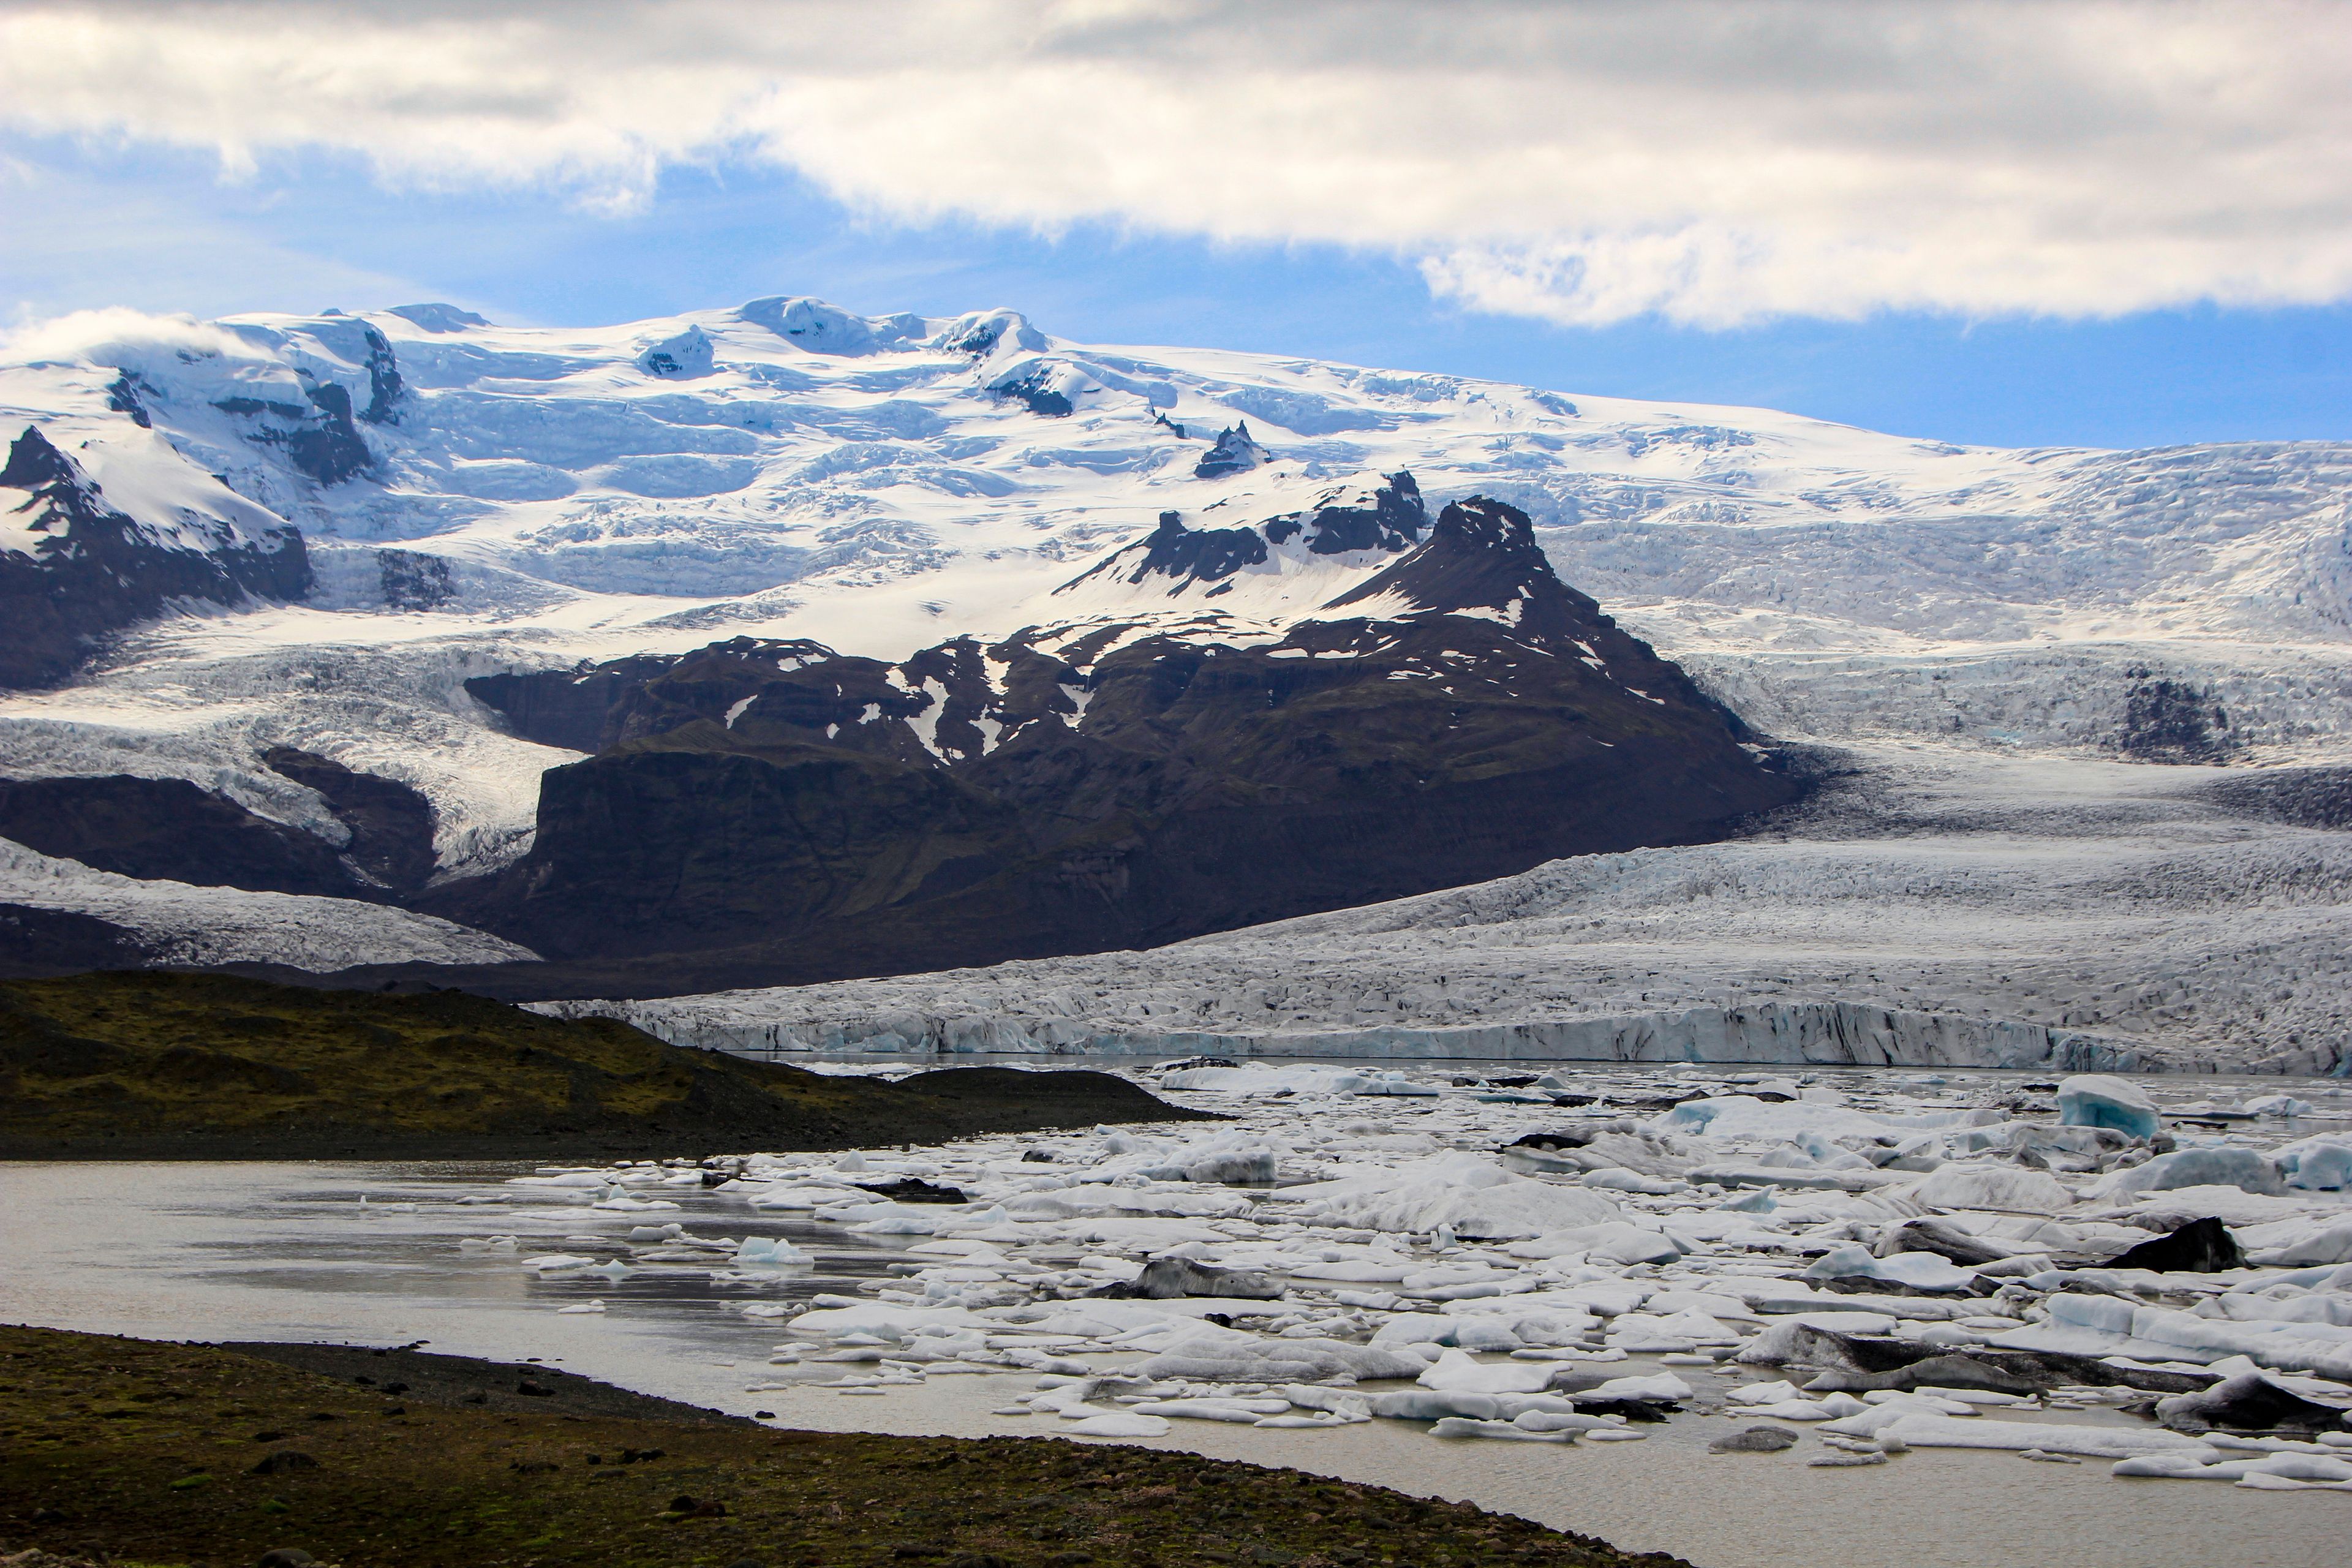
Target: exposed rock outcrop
<point>1237,452</point>
<point>765,810</point>
<point>87,570</point>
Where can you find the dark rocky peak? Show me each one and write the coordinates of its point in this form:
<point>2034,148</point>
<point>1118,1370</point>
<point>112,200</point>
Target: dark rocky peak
<point>1053,387</point>
<point>983,332</point>
<point>129,394</point>
<point>756,689</point>
<point>438,318</point>
<point>63,502</point>
<point>945,706</point>
<point>1181,555</point>
<point>362,345</point>
<point>986,695</point>
<point>745,694</point>
<point>1389,516</point>
<point>322,440</point>
<point>383,377</point>
<point>564,708</point>
<point>35,465</point>
<point>98,571</point>
<point>1481,559</point>
<point>1007,805</point>
<point>679,357</point>
<point>1235,452</point>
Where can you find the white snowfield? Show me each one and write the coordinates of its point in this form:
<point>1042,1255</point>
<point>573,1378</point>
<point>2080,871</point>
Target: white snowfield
<point>1870,1262</point>
<point>1987,624</point>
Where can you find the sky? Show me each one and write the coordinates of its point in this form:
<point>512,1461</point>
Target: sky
<point>1994,222</point>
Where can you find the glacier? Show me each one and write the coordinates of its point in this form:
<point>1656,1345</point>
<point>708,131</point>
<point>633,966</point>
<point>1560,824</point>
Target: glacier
<point>1948,909</point>
<point>1991,649</point>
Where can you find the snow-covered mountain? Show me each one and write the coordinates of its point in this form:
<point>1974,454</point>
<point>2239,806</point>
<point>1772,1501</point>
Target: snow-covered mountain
<point>775,810</point>
<point>387,512</point>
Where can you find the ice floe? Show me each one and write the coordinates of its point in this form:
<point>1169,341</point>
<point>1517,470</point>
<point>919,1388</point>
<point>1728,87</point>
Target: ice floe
<point>1882,1265</point>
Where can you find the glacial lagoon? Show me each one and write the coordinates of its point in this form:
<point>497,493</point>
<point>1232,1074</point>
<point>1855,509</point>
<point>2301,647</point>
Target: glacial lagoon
<point>1649,1261</point>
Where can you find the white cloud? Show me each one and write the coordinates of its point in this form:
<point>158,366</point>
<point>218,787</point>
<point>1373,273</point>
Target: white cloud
<point>1710,163</point>
<point>118,335</point>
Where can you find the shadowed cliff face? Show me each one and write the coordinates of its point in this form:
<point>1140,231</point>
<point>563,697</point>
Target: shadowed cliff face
<point>95,570</point>
<point>772,812</point>
<point>170,831</point>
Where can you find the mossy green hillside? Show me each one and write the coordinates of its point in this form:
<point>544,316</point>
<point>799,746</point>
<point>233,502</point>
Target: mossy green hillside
<point>159,1065</point>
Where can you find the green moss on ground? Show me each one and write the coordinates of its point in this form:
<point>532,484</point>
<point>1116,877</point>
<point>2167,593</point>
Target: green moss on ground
<point>164,1453</point>
<point>148,1065</point>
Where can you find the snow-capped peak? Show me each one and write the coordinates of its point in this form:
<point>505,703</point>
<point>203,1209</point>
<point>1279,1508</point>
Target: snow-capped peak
<point>1480,559</point>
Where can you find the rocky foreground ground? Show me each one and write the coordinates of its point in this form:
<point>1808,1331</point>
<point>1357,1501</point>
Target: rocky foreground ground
<point>126,1450</point>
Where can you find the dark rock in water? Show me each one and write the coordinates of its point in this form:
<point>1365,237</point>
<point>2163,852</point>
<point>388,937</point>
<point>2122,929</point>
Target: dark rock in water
<point>1630,1409</point>
<point>1235,452</point>
<point>914,1190</point>
<point>1849,1362</point>
<point>1952,1371</point>
<point>764,812</point>
<point>2249,1402</point>
<point>2201,1247</point>
<point>1939,1237</point>
<point>1167,1279</point>
<point>169,830</point>
<point>1654,1102</point>
<point>1754,1440</point>
<point>391,822</point>
<point>98,571</point>
<point>1190,1062</point>
<point>1564,1138</point>
<point>1871,1285</point>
